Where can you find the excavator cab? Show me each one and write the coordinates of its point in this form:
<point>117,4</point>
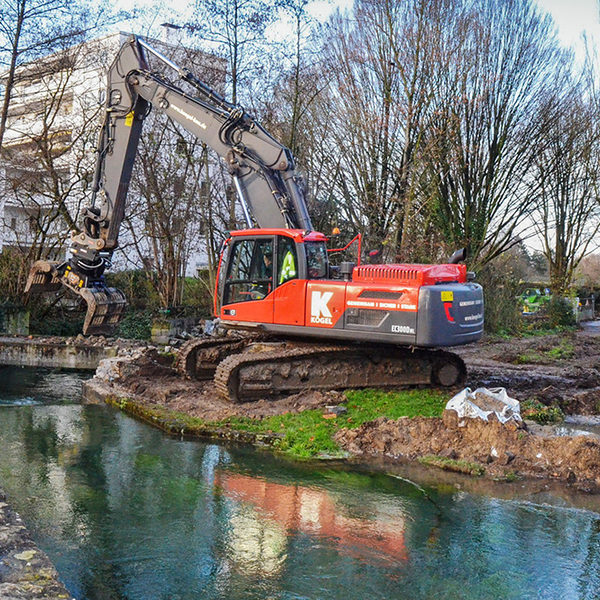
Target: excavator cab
<point>260,264</point>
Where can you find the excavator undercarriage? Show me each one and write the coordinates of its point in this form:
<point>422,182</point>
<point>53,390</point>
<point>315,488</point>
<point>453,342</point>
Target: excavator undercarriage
<point>253,367</point>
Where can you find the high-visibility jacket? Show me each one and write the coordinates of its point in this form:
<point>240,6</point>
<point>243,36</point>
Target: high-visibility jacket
<point>288,267</point>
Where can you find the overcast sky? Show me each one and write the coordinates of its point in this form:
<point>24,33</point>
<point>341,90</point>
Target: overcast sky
<point>573,18</point>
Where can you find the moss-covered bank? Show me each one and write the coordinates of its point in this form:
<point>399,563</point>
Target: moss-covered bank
<point>306,434</point>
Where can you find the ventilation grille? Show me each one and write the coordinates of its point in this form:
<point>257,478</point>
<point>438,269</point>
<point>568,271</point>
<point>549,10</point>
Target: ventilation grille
<point>380,294</point>
<point>364,316</point>
<point>386,273</point>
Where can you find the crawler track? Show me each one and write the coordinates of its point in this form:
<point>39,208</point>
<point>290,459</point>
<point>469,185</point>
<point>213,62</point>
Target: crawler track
<point>198,358</point>
<point>254,375</point>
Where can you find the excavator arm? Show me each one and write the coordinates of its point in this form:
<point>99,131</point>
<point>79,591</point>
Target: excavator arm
<point>262,170</point>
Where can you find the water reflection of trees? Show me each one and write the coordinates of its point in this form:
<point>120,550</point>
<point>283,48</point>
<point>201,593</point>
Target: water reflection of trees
<point>517,549</point>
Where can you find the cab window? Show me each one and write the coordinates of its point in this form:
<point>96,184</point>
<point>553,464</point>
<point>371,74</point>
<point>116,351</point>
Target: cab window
<point>316,258</point>
<point>250,273</point>
<point>287,261</point>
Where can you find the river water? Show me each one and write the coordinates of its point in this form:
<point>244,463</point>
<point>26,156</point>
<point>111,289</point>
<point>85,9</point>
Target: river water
<point>124,511</point>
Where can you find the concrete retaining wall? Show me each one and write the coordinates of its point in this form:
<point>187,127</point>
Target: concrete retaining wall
<point>62,354</point>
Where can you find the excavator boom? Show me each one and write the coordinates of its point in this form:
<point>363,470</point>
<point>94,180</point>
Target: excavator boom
<point>262,169</point>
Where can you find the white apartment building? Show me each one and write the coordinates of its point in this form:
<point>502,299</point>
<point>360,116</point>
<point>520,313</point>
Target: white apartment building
<point>55,113</point>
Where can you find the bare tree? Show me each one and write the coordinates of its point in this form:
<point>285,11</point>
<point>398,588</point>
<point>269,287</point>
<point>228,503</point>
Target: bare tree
<point>566,181</point>
<point>295,87</point>
<point>163,220</point>
<point>177,206</point>
<point>415,31</point>
<point>30,29</point>
<point>364,120</point>
<point>49,141</point>
<point>380,80</point>
<point>481,147</point>
<point>236,28</point>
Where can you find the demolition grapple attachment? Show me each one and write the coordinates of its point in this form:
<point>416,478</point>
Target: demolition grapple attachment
<point>105,308</point>
<point>43,277</point>
<point>105,305</point>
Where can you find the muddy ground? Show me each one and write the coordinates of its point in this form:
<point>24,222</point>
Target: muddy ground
<point>500,451</point>
<point>559,369</point>
<point>149,381</point>
<point>556,369</point>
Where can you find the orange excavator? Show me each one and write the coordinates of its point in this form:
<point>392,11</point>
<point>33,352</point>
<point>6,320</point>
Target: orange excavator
<point>302,323</point>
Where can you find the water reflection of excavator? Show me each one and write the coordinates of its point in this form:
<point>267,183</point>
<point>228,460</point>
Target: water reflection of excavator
<point>376,324</point>
<point>380,535</point>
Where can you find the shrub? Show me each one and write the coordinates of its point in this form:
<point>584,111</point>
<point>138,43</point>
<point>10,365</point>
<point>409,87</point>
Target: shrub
<point>136,286</point>
<point>136,325</point>
<point>560,312</point>
<point>500,292</point>
<point>64,318</point>
<point>198,294</point>
<point>540,413</point>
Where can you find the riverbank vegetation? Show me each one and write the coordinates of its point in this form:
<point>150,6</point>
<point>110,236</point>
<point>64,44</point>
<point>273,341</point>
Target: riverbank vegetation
<point>301,435</point>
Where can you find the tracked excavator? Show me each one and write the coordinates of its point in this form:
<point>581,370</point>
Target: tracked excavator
<point>301,323</point>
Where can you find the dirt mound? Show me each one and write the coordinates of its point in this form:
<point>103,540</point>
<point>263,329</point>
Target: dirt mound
<point>199,399</point>
<point>501,449</point>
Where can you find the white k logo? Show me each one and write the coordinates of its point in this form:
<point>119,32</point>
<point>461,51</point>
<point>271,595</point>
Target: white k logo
<point>318,304</point>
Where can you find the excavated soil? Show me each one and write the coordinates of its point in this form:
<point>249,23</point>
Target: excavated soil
<point>151,383</point>
<point>200,400</point>
<point>503,450</point>
<point>556,369</point>
<point>561,370</point>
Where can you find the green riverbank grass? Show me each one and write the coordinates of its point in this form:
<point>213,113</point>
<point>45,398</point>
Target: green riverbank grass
<point>307,434</point>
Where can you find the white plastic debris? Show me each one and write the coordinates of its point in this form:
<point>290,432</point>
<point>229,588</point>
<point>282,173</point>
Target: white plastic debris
<point>481,403</point>
<point>210,326</point>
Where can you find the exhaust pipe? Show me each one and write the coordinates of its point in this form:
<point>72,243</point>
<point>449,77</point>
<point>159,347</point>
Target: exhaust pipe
<point>458,256</point>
